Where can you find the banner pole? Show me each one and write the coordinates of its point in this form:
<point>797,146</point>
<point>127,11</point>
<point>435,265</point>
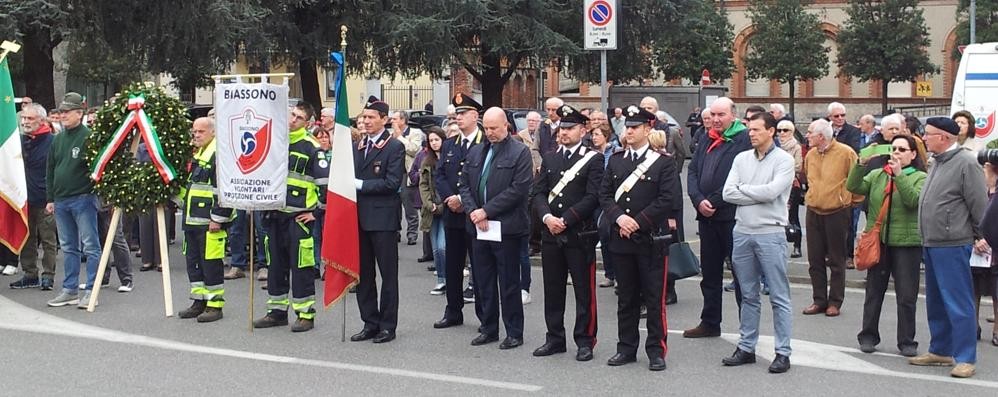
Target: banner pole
<point>343,49</point>
<point>249,264</point>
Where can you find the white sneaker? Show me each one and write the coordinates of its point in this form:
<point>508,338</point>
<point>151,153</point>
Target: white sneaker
<point>9,270</point>
<point>439,289</point>
<point>525,297</point>
<point>126,287</point>
<point>63,299</point>
<point>82,287</point>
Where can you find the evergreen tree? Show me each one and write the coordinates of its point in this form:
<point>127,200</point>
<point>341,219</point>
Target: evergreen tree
<point>788,44</point>
<point>884,41</point>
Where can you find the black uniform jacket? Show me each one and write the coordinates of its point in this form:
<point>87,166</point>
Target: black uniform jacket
<point>579,198</point>
<point>649,201</point>
<point>378,200</point>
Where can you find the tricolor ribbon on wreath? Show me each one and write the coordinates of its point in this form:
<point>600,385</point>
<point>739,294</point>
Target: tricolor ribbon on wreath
<point>136,118</point>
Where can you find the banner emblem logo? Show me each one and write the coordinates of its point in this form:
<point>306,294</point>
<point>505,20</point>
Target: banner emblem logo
<point>253,134</point>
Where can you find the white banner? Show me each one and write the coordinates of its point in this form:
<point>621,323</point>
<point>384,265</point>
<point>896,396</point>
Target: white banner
<point>252,156</point>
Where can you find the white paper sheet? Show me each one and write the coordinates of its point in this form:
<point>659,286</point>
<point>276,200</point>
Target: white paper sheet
<point>979,260</point>
<point>493,234</point>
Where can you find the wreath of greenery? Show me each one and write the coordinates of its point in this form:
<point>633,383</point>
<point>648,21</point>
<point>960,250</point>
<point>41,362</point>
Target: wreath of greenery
<point>127,183</point>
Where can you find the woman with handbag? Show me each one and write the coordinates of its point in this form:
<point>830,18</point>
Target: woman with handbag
<point>893,192</point>
<point>432,210</point>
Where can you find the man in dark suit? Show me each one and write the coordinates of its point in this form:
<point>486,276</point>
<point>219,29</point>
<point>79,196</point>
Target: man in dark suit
<point>842,130</point>
<point>565,196</point>
<point>495,183</point>
<point>636,197</point>
<point>850,135</point>
<point>378,167</point>
<point>549,128</point>
<point>449,171</point>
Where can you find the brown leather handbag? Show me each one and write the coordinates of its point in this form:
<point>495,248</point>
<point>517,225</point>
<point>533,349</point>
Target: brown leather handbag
<point>867,253</point>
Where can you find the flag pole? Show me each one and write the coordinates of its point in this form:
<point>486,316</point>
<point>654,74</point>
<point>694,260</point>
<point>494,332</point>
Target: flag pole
<point>343,50</point>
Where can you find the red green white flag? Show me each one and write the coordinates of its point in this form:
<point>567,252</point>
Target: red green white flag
<point>13,188</point>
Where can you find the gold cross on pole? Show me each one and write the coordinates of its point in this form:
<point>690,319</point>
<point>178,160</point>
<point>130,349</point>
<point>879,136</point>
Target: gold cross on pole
<point>8,47</point>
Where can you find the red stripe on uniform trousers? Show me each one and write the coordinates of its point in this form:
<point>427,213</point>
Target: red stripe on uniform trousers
<point>591,328</point>
<point>665,324</point>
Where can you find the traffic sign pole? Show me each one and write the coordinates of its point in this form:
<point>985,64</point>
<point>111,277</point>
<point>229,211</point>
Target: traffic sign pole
<point>602,82</point>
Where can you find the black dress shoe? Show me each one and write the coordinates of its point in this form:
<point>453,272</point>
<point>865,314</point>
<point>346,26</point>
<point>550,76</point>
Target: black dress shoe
<point>424,259</point>
<point>384,336</point>
<point>510,343</point>
<point>446,323</point>
<point>482,339</point>
<point>548,349</point>
<point>780,364</point>
<point>656,364</point>
<point>363,335</point>
<point>620,359</point>
<point>585,353</point>
<point>738,358</point>
<point>671,298</point>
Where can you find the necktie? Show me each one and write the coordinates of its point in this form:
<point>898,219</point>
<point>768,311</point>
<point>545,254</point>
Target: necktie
<point>466,143</point>
<point>367,148</point>
<point>634,156</point>
<point>568,154</point>
<point>485,175</point>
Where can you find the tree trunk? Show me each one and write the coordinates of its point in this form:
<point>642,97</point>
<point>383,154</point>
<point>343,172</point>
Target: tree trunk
<point>883,98</point>
<point>38,67</point>
<point>793,89</point>
<point>309,83</point>
<point>492,81</point>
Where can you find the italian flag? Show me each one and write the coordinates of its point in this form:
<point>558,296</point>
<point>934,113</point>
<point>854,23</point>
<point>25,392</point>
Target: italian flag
<point>340,236</point>
<point>13,188</point>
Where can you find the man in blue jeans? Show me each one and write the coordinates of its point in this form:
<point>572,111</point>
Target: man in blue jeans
<point>70,196</point>
<point>759,185</point>
<point>238,234</point>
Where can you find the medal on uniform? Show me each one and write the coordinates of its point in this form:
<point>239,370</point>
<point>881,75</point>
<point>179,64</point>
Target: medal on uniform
<point>377,167</point>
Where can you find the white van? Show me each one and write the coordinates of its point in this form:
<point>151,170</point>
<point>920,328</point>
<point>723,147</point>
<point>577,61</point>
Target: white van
<point>976,88</point>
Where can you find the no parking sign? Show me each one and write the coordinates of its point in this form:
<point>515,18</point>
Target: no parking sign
<point>599,18</point>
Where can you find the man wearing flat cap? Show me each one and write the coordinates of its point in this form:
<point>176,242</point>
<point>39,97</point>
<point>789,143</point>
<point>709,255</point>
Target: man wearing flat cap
<point>636,198</point>
<point>564,197</point>
<point>378,166</point>
<point>448,175</point>
<point>70,196</point>
<point>950,210</point>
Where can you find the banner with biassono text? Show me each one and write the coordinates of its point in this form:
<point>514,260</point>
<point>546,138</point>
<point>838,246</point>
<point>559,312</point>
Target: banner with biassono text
<point>252,151</point>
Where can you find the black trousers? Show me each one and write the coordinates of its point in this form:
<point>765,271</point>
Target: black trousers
<point>497,264</point>
<point>292,264</point>
<point>715,246</point>
<point>382,248</point>
<point>458,251</point>
<point>641,281</point>
<point>901,263</point>
<point>557,263</point>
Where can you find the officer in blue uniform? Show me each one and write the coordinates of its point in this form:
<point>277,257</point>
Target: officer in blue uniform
<point>449,172</point>
<point>636,196</point>
<point>565,197</point>
<point>378,169</point>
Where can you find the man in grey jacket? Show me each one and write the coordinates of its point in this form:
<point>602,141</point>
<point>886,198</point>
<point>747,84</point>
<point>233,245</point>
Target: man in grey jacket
<point>759,184</point>
<point>949,212</point>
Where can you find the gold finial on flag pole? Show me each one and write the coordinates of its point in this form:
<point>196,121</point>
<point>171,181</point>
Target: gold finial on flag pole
<point>343,35</point>
<point>10,46</point>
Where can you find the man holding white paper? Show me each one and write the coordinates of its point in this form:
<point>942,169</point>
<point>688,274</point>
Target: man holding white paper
<point>494,185</point>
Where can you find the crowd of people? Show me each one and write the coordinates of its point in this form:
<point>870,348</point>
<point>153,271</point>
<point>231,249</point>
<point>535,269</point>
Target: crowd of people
<point>485,198</point>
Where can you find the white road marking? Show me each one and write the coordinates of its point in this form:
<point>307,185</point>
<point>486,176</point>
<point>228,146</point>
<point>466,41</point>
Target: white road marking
<point>14,316</point>
<point>840,358</point>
